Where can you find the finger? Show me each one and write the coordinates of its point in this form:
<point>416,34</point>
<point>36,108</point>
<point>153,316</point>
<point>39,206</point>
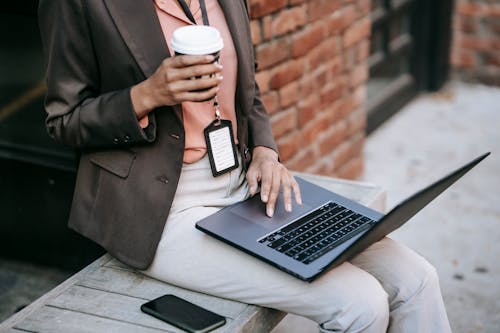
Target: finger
<point>253,177</point>
<point>195,71</point>
<point>181,61</point>
<point>266,181</point>
<point>274,191</point>
<point>194,85</point>
<point>198,96</point>
<point>286,185</point>
<point>296,191</point>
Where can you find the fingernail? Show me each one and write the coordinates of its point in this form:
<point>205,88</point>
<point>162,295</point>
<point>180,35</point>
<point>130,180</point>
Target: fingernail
<point>270,212</point>
<point>288,207</point>
<point>264,197</point>
<point>252,190</point>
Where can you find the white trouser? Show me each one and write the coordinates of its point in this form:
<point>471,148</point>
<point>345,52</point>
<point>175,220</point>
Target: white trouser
<point>388,287</point>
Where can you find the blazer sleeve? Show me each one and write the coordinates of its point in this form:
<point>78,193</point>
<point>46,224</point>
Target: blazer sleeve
<point>78,113</point>
<point>259,123</point>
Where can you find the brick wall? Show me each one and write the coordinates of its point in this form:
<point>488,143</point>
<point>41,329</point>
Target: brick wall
<point>312,71</point>
<point>476,43</point>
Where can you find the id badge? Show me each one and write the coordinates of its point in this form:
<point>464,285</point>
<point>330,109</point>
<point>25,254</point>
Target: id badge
<point>220,147</point>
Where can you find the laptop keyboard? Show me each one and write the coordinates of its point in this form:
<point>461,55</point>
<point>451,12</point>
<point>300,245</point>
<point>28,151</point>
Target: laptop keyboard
<point>315,234</point>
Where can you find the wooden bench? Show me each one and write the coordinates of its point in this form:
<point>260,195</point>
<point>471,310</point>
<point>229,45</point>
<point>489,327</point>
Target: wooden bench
<point>106,295</point>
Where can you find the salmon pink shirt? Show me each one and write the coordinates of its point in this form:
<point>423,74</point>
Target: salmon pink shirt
<point>197,116</point>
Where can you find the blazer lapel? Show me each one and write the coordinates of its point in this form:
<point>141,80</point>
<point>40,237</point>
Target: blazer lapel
<point>139,26</point>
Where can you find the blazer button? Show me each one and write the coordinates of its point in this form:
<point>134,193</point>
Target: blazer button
<point>162,179</point>
<point>175,136</point>
<point>246,152</point>
<point>126,138</point>
<point>116,141</point>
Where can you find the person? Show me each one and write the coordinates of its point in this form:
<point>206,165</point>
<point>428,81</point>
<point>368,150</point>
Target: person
<point>116,93</point>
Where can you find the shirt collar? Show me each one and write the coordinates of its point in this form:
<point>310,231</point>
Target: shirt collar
<point>170,8</point>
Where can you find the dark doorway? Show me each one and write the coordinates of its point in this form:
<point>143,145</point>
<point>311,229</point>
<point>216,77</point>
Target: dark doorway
<point>409,53</point>
<point>37,176</point>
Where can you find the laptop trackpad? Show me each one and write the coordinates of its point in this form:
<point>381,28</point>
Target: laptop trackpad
<point>254,210</point>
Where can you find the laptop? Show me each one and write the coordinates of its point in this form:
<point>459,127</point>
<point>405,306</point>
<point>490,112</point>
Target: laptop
<point>323,232</point>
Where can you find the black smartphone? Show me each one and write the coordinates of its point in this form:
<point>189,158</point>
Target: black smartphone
<point>183,314</point>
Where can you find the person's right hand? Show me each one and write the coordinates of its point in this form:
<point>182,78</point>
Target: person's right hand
<point>172,83</point>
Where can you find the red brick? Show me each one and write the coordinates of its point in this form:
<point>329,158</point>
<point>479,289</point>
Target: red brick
<point>491,59</point>
<point>359,96</point>
<point>289,94</point>
<point>306,40</point>
<point>297,2</point>
<point>288,20</point>
<point>357,32</point>
<point>321,8</point>
<point>308,108</point>
<point>289,145</point>
<point>364,7</point>
<point>286,73</point>
<point>308,85</point>
<point>315,127</point>
<point>256,32</point>
<point>325,51</point>
<point>267,31</point>
<point>272,53</point>
<point>469,9</point>
<point>263,79</point>
<point>348,15</point>
<point>359,75</point>
<point>347,150</point>
<point>331,93</point>
<point>345,106</point>
<point>304,159</point>
<point>479,43</point>
<point>468,24</point>
<point>463,59</point>
<point>283,122</point>
<point>271,102</point>
<point>363,50</point>
<point>332,138</point>
<point>350,57</point>
<point>335,23</point>
<point>260,8</point>
<point>334,68</point>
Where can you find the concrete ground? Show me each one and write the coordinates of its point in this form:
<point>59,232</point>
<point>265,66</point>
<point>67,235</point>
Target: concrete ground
<point>459,232</point>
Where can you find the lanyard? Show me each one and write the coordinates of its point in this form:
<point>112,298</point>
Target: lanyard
<point>190,16</point>
<point>204,15</point>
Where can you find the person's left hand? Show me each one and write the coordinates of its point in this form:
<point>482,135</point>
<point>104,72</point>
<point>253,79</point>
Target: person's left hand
<point>266,169</point>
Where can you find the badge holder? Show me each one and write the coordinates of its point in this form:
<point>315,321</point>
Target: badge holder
<point>221,148</point>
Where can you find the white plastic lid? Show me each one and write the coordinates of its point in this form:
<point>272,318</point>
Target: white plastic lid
<point>197,40</point>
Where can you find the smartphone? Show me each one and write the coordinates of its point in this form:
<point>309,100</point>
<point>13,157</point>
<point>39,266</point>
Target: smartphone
<point>183,314</point>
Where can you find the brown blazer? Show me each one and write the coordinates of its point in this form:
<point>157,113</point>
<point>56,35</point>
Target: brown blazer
<point>127,177</point>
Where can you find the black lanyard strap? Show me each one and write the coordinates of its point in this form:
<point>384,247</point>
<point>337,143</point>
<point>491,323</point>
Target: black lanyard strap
<point>189,14</point>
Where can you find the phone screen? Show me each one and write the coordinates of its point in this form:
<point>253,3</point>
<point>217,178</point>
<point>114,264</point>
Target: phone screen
<point>183,314</point>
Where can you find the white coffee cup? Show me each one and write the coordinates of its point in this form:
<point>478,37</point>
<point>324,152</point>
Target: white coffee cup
<point>197,40</point>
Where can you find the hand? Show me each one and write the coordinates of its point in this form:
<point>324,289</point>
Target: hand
<point>172,83</point>
<point>272,175</point>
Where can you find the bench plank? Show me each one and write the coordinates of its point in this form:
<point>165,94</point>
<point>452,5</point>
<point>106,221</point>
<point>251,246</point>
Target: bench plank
<point>109,305</point>
<point>55,320</point>
<point>140,286</point>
